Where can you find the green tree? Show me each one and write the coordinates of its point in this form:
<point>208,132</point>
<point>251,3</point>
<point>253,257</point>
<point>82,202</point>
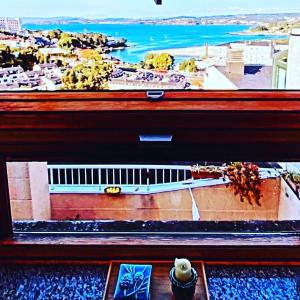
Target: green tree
<point>162,61</point>
<point>92,76</point>
<point>68,42</point>
<point>7,58</point>
<point>27,58</point>
<point>188,66</point>
<point>91,54</point>
<point>54,34</point>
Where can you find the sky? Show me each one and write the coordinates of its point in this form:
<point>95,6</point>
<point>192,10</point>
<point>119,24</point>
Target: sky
<point>142,8</point>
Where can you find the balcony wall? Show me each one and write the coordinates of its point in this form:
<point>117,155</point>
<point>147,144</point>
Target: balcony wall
<point>19,190</point>
<point>289,206</point>
<point>161,206</point>
<point>30,200</point>
<point>216,203</point>
<point>29,191</point>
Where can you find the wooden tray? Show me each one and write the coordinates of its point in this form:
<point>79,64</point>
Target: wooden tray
<point>160,284</point>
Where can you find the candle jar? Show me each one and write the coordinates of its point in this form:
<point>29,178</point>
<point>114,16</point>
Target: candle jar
<point>183,290</point>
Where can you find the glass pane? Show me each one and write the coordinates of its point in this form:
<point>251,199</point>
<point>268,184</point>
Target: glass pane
<point>196,192</point>
<point>123,45</point>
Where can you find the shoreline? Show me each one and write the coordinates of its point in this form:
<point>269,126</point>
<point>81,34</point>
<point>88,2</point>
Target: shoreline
<point>195,50</point>
<point>259,33</point>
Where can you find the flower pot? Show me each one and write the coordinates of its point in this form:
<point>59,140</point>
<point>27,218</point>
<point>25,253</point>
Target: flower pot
<point>206,175</point>
<point>183,290</point>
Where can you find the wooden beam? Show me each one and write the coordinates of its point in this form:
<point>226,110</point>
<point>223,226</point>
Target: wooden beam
<point>5,212</point>
<point>151,247</point>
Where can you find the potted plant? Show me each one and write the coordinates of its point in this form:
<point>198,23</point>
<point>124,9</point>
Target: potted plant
<point>206,172</point>
<point>245,180</point>
<point>183,279</point>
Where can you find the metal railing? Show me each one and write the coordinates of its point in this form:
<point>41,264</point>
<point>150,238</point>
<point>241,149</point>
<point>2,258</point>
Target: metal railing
<point>95,177</point>
<point>133,179</point>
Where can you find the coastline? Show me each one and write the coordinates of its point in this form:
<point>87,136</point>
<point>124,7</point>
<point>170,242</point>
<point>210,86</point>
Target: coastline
<point>194,51</point>
<point>186,51</point>
<point>259,33</point>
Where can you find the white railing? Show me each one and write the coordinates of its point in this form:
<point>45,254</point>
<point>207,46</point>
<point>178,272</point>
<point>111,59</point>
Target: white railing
<point>133,179</point>
<point>94,178</point>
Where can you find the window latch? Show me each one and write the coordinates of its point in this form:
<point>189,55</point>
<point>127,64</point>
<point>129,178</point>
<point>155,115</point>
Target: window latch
<point>156,138</point>
<point>155,95</point>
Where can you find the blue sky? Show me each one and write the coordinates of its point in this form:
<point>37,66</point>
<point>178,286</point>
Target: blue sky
<point>142,8</point>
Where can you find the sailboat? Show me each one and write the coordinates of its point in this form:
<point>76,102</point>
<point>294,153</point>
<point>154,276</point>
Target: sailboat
<point>151,38</point>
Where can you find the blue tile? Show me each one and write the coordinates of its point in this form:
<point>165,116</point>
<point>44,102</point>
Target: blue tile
<point>133,282</point>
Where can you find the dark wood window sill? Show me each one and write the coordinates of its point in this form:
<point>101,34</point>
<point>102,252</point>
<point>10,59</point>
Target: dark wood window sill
<point>248,247</point>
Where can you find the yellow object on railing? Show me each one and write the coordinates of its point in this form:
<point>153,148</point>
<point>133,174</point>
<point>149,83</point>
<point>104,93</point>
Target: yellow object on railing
<point>113,191</point>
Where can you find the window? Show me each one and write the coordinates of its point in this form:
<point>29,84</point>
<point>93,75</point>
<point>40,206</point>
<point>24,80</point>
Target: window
<point>210,131</point>
<point>120,45</point>
<point>202,193</point>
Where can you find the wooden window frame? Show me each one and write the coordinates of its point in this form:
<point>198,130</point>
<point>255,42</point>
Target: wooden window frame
<point>66,126</point>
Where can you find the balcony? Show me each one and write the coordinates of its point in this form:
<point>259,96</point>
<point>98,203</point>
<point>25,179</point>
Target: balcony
<point>147,192</point>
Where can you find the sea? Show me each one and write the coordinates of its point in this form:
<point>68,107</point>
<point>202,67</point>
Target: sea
<point>144,38</point>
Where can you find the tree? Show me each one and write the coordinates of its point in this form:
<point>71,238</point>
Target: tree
<point>68,42</point>
<point>91,54</point>
<point>92,76</point>
<point>7,59</point>
<point>43,58</point>
<point>27,58</point>
<point>261,28</point>
<point>188,66</point>
<point>162,61</point>
<point>149,60</point>
<point>99,39</point>
<point>54,34</point>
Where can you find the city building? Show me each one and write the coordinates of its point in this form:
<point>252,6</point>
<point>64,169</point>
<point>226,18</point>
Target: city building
<point>293,61</point>
<point>286,65</point>
<point>280,70</point>
<point>10,75</point>
<point>256,52</point>
<point>48,69</point>
<point>10,24</point>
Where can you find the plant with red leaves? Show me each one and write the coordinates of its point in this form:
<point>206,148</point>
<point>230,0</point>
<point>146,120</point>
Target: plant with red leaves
<point>245,180</point>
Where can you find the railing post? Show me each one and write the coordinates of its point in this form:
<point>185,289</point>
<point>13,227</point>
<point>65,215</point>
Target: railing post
<point>99,176</point>
<point>148,180</point>
<point>65,176</point>
<point>51,176</point>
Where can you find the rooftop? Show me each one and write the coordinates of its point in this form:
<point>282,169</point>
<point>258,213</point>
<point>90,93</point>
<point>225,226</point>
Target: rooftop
<point>255,77</point>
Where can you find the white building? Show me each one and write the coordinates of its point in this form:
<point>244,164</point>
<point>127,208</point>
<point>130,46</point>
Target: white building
<point>48,69</point>
<point>256,53</point>
<point>293,63</point>
<point>10,24</point>
<point>216,80</point>
<point>10,75</point>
